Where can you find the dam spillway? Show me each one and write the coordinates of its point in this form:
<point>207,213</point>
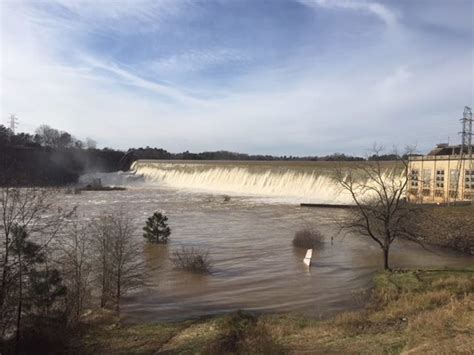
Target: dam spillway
<point>289,181</point>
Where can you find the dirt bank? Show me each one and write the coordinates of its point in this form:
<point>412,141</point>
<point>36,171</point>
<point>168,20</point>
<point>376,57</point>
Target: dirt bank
<point>450,227</point>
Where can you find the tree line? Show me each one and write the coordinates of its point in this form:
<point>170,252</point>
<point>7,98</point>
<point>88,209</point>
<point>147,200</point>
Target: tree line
<point>54,157</point>
<point>45,136</point>
<point>54,267</point>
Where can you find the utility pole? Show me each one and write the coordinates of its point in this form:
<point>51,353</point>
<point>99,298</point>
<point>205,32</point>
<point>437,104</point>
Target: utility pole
<point>13,122</point>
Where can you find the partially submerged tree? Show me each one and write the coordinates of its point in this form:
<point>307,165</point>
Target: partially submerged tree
<point>156,229</point>
<point>75,262</point>
<point>381,211</point>
<point>308,238</point>
<point>192,259</point>
<point>118,261</point>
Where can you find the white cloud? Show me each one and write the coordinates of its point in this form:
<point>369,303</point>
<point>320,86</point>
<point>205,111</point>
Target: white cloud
<point>131,79</point>
<point>198,59</point>
<point>389,95</point>
<point>385,14</point>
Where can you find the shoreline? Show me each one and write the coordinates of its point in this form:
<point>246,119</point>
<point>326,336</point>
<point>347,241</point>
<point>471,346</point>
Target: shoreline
<point>408,310</point>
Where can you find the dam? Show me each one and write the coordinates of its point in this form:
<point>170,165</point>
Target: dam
<point>284,181</point>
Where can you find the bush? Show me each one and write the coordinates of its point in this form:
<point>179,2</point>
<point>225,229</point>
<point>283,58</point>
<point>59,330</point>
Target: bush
<point>243,333</point>
<point>156,229</point>
<point>192,259</point>
<point>308,238</point>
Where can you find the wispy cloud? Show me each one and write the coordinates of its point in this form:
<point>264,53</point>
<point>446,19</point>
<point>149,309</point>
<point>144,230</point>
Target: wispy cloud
<point>384,13</point>
<point>253,77</point>
<point>199,59</point>
<point>107,15</point>
<point>128,78</point>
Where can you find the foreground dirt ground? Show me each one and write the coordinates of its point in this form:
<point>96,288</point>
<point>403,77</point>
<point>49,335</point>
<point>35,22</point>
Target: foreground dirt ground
<point>409,312</point>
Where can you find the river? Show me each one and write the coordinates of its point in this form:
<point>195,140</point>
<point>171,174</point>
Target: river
<point>255,266</point>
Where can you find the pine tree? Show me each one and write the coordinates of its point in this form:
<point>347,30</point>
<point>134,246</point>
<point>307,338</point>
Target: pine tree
<point>156,229</point>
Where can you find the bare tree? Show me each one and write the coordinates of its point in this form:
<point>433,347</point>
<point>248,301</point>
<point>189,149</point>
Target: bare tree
<point>118,258</point>
<point>194,259</point>
<point>75,262</point>
<point>381,211</point>
<point>101,239</point>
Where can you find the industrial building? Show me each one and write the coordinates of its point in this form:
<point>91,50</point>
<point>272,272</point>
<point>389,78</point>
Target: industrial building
<point>446,174</point>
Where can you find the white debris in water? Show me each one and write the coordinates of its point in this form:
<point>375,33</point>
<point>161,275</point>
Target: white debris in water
<point>308,257</point>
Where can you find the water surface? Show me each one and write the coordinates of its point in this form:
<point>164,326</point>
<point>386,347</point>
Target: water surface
<point>255,266</point>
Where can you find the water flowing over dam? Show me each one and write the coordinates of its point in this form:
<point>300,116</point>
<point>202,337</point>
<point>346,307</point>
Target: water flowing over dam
<point>286,181</point>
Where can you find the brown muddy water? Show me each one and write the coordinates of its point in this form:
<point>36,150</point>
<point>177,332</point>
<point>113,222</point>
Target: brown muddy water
<point>255,266</point>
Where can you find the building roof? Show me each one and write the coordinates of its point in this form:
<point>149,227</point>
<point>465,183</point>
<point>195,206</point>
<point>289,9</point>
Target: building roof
<point>445,149</point>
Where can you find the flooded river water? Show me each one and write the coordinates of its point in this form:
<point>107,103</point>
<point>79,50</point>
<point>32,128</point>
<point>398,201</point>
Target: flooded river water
<point>255,266</point>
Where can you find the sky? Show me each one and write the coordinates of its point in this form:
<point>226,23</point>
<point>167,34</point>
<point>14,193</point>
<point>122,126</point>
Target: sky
<point>282,77</point>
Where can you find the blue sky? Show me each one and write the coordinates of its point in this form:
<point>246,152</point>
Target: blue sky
<point>300,77</point>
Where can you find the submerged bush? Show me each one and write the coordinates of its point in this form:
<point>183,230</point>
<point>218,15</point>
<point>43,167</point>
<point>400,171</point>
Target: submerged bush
<point>192,259</point>
<point>308,238</point>
<point>156,229</point>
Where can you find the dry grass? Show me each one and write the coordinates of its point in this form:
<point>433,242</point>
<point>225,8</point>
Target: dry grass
<point>447,329</point>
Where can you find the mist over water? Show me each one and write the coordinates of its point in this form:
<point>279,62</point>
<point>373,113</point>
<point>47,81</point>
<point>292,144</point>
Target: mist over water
<point>255,266</point>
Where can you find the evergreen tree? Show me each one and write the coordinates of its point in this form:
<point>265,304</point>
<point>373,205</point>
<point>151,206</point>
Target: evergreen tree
<point>156,229</point>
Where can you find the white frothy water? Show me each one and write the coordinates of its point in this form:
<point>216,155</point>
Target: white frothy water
<point>295,182</point>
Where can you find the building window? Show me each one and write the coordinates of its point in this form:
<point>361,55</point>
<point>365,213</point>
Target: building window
<point>414,178</point>
<point>469,179</point>
<point>439,179</point>
<point>426,178</point>
<point>454,179</point>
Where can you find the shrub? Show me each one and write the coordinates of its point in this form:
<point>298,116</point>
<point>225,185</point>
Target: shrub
<point>227,198</point>
<point>156,229</point>
<point>308,238</point>
<point>192,259</point>
<point>242,333</point>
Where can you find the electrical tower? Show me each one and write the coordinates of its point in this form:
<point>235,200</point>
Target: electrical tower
<point>13,122</point>
<point>466,142</point>
<point>466,133</point>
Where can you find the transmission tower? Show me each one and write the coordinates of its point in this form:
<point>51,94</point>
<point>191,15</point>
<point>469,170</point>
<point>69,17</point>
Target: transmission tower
<point>466,133</point>
<point>466,142</point>
<point>13,122</point>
